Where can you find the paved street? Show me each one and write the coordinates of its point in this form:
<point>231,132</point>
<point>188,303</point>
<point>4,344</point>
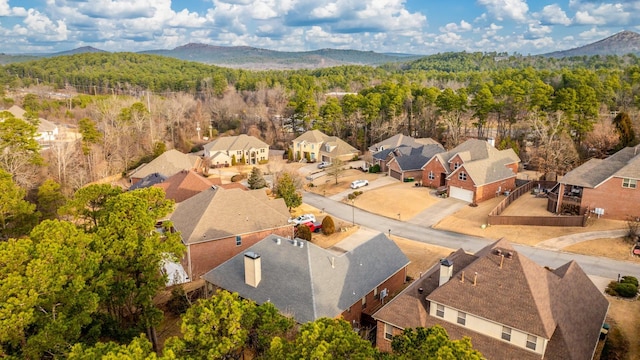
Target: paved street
<point>592,265</point>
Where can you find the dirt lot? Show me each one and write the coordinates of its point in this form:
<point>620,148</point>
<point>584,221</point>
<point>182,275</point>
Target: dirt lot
<point>327,186</point>
<point>401,198</point>
<point>469,220</point>
<point>626,315</point>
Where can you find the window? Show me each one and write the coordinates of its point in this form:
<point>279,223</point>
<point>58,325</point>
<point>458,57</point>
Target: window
<point>388,331</point>
<point>462,176</point>
<point>364,302</point>
<point>531,342</point>
<point>506,333</point>
<point>440,310</point>
<point>262,151</point>
<point>239,152</point>
<point>312,146</point>
<point>238,240</point>
<point>432,176</point>
<point>629,183</point>
<point>462,318</point>
<point>456,165</point>
<point>375,292</point>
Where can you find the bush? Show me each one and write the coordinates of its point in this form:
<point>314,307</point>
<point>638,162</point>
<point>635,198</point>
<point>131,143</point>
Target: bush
<point>303,232</point>
<point>622,289</point>
<point>374,169</point>
<point>237,177</point>
<point>629,280</point>
<point>328,226</point>
<point>178,303</point>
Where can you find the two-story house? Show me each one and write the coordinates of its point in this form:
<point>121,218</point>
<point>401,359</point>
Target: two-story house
<point>314,145</point>
<point>350,280</point>
<point>607,187</point>
<point>510,307</point>
<point>473,171</point>
<point>166,165</point>
<point>243,148</point>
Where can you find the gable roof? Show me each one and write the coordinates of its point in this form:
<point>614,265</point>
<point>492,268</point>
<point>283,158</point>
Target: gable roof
<point>185,184</point>
<point>338,146</point>
<point>561,305</point>
<point>401,140</point>
<point>625,164</point>
<point>44,125</point>
<point>414,158</point>
<point>486,171</point>
<point>220,213</point>
<point>302,281</point>
<point>312,136</point>
<point>167,164</point>
<point>235,143</point>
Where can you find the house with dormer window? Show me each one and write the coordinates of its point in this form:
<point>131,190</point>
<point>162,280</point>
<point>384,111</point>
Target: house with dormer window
<point>510,307</point>
<point>243,148</point>
<point>473,171</point>
<point>314,145</point>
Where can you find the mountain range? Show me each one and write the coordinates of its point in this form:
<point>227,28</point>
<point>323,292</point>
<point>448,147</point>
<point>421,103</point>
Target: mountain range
<point>246,57</point>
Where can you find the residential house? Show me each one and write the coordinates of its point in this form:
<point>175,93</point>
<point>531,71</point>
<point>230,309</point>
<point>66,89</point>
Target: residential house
<point>168,164</point>
<point>606,187</point>
<point>148,181</point>
<point>186,184</point>
<point>314,145</point>
<point>473,171</point>
<point>47,131</point>
<point>243,148</point>
<point>350,280</point>
<point>510,307</point>
<point>415,153</point>
<point>219,223</point>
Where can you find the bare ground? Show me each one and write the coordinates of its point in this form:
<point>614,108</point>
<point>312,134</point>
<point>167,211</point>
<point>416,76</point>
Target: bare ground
<point>327,186</point>
<point>614,248</point>
<point>401,198</point>
<point>626,315</point>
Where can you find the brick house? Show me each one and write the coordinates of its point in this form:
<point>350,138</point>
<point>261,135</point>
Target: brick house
<point>318,146</point>
<point>510,307</point>
<point>167,164</point>
<point>382,152</point>
<point>607,187</point>
<point>473,171</point>
<point>403,162</point>
<point>217,224</point>
<point>350,280</point>
<point>223,150</point>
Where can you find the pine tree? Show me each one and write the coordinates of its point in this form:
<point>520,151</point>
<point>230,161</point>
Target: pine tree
<point>256,180</point>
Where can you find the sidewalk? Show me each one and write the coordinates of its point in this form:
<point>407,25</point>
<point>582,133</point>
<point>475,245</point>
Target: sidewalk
<point>567,240</point>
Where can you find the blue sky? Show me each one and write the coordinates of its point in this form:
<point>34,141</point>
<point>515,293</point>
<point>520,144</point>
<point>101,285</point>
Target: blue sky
<point>403,26</point>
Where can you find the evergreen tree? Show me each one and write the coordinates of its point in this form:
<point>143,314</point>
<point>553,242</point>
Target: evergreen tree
<point>285,188</point>
<point>256,180</point>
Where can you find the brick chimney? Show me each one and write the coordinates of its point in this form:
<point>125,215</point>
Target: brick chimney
<point>252,269</point>
<point>446,271</point>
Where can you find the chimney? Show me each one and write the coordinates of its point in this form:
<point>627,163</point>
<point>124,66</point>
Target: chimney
<point>333,262</point>
<point>501,260</point>
<point>446,271</point>
<point>475,278</point>
<point>252,269</point>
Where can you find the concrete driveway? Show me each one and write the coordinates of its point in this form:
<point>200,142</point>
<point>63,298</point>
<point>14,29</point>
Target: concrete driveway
<point>382,181</point>
<point>438,211</point>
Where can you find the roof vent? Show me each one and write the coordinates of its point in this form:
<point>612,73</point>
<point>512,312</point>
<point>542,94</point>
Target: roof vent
<point>509,255</point>
<point>498,252</point>
<point>301,244</point>
<point>295,242</point>
<point>278,241</point>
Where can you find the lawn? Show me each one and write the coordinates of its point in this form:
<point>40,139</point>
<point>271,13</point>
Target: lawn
<point>400,198</point>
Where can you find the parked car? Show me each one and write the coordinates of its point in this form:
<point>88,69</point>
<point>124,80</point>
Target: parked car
<point>323,164</point>
<point>314,226</point>
<point>359,183</point>
<point>303,218</point>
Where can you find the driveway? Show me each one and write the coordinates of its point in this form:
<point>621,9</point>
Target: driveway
<point>592,265</point>
<point>380,182</point>
<point>438,211</point>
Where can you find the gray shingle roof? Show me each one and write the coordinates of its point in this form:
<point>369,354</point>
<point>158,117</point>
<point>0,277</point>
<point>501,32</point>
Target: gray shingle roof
<point>235,143</point>
<point>168,164</point>
<point>487,171</point>
<point>401,140</point>
<point>220,213</point>
<point>562,305</point>
<point>302,281</point>
<point>148,181</point>
<point>414,158</point>
<point>624,164</point>
<point>339,147</point>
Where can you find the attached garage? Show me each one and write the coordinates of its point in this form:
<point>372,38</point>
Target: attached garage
<point>460,193</point>
<point>395,174</point>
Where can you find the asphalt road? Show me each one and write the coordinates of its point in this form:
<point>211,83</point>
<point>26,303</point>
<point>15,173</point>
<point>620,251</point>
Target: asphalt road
<point>592,265</point>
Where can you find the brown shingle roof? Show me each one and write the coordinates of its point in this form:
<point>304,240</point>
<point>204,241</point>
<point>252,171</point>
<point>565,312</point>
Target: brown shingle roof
<point>561,305</point>
<point>186,184</point>
<point>235,143</point>
<point>219,213</point>
<point>168,164</point>
<point>625,163</point>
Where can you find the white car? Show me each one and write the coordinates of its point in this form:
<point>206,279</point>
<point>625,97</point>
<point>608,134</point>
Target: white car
<point>359,183</point>
<point>323,164</point>
<point>303,219</point>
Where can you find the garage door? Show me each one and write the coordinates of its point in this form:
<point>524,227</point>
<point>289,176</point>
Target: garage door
<point>460,193</point>
<point>395,174</point>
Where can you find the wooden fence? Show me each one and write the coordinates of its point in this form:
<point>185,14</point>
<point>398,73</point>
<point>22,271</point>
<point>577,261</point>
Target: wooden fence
<point>495,217</point>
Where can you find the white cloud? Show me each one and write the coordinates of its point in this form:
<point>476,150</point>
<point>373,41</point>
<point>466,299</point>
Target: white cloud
<point>537,31</point>
<point>594,33</point>
<point>7,10</point>
<point>605,13</point>
<point>510,9</point>
<point>554,15</point>
<point>38,26</point>
<point>453,27</point>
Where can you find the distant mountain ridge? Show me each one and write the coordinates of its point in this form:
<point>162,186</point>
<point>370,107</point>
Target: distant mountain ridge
<point>622,43</point>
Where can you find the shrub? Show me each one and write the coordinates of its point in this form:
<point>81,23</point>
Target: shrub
<point>374,169</point>
<point>629,279</point>
<point>328,226</point>
<point>622,289</point>
<point>178,303</point>
<point>290,154</point>
<point>237,177</point>
<point>303,232</point>
<point>234,161</point>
